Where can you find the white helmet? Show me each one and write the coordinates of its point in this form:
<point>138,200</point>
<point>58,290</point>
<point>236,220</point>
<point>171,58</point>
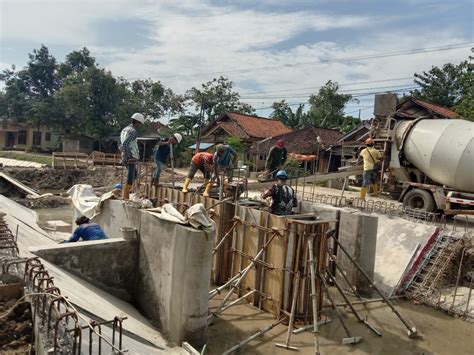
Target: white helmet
<point>178,137</point>
<point>138,117</point>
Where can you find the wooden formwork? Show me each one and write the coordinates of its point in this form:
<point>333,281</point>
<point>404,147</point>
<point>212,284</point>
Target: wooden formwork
<point>274,274</point>
<point>270,280</point>
<point>221,214</point>
<point>69,160</point>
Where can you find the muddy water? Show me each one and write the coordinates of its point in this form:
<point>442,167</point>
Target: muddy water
<point>440,333</point>
<point>55,214</point>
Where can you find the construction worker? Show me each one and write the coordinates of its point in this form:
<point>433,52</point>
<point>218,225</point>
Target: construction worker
<point>224,159</point>
<point>86,230</point>
<point>205,163</point>
<point>162,152</point>
<point>130,153</point>
<point>276,158</point>
<point>283,196</point>
<point>371,157</point>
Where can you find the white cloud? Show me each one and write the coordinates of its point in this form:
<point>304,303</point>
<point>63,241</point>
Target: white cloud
<point>193,36</point>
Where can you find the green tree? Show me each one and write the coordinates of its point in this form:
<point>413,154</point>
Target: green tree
<point>185,124</point>
<point>327,108</point>
<point>283,112</point>
<point>30,92</point>
<point>236,143</point>
<point>217,97</point>
<point>76,62</point>
<point>450,86</point>
<point>91,101</point>
<point>153,99</point>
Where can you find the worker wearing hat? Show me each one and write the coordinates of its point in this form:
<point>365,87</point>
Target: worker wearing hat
<point>224,159</point>
<point>204,162</point>
<point>283,196</point>
<point>162,152</point>
<point>371,157</point>
<point>130,153</point>
<point>276,158</point>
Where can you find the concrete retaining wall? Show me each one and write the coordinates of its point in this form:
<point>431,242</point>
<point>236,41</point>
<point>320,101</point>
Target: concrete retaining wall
<point>173,272</point>
<point>174,277</point>
<point>115,215</point>
<point>108,264</point>
<point>358,235</point>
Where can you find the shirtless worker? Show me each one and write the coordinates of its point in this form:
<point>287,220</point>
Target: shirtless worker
<point>205,163</point>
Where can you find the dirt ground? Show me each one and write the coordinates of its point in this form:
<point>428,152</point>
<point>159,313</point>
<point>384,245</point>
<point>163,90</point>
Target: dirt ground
<point>16,330</point>
<point>56,180</point>
<point>440,333</point>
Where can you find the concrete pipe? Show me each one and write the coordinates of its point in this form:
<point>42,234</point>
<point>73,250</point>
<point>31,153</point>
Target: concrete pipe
<point>443,149</point>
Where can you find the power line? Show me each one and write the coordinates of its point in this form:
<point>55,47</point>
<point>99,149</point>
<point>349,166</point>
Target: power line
<point>359,95</point>
<point>326,61</point>
<point>319,87</point>
<point>352,91</point>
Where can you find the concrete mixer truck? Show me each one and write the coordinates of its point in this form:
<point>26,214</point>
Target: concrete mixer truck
<point>429,163</point>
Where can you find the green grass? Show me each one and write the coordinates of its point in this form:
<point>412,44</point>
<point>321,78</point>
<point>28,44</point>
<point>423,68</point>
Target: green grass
<point>37,158</point>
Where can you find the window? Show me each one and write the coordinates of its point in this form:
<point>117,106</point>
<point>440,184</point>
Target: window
<point>47,136</point>
<point>36,138</point>
<point>22,137</point>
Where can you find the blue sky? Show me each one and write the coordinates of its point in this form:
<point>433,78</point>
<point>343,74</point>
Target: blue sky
<point>184,43</point>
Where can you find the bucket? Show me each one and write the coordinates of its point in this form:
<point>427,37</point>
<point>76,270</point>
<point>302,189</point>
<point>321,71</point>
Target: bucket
<point>129,233</point>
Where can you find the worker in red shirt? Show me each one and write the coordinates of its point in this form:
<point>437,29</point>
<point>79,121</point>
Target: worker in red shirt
<point>205,163</point>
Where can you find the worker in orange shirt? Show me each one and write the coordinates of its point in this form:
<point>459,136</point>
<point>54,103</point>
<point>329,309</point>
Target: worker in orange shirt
<point>205,163</point>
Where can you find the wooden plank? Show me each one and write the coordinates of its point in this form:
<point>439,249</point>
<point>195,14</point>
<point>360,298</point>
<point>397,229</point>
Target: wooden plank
<point>312,178</point>
<point>19,185</point>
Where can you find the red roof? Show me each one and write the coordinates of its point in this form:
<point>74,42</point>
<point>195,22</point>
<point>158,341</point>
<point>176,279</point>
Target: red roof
<point>247,126</point>
<point>259,127</point>
<point>440,110</point>
<point>410,107</point>
<point>302,141</point>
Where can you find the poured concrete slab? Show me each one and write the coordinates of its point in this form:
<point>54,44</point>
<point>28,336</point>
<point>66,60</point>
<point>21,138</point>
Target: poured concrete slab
<point>109,264</point>
<point>86,296</point>
<point>397,240</point>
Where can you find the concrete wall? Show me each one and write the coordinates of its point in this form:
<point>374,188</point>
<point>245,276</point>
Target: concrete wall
<point>358,235</point>
<point>108,264</point>
<point>115,215</point>
<point>357,232</point>
<point>174,277</point>
<point>174,269</point>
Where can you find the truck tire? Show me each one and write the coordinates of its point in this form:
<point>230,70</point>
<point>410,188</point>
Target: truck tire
<point>420,199</point>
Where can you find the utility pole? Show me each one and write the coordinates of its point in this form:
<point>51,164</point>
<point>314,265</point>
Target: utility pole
<point>201,118</point>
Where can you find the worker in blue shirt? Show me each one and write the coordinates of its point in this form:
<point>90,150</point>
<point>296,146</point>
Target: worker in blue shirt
<point>162,152</point>
<point>224,159</point>
<point>87,231</point>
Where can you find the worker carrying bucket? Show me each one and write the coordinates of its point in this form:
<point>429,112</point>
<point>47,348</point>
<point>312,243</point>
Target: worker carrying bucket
<point>283,196</point>
<point>130,153</point>
<point>205,163</point>
<point>371,158</point>
<point>162,152</point>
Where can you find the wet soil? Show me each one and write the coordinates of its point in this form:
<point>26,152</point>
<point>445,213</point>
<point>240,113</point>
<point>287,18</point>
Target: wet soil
<point>16,329</point>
